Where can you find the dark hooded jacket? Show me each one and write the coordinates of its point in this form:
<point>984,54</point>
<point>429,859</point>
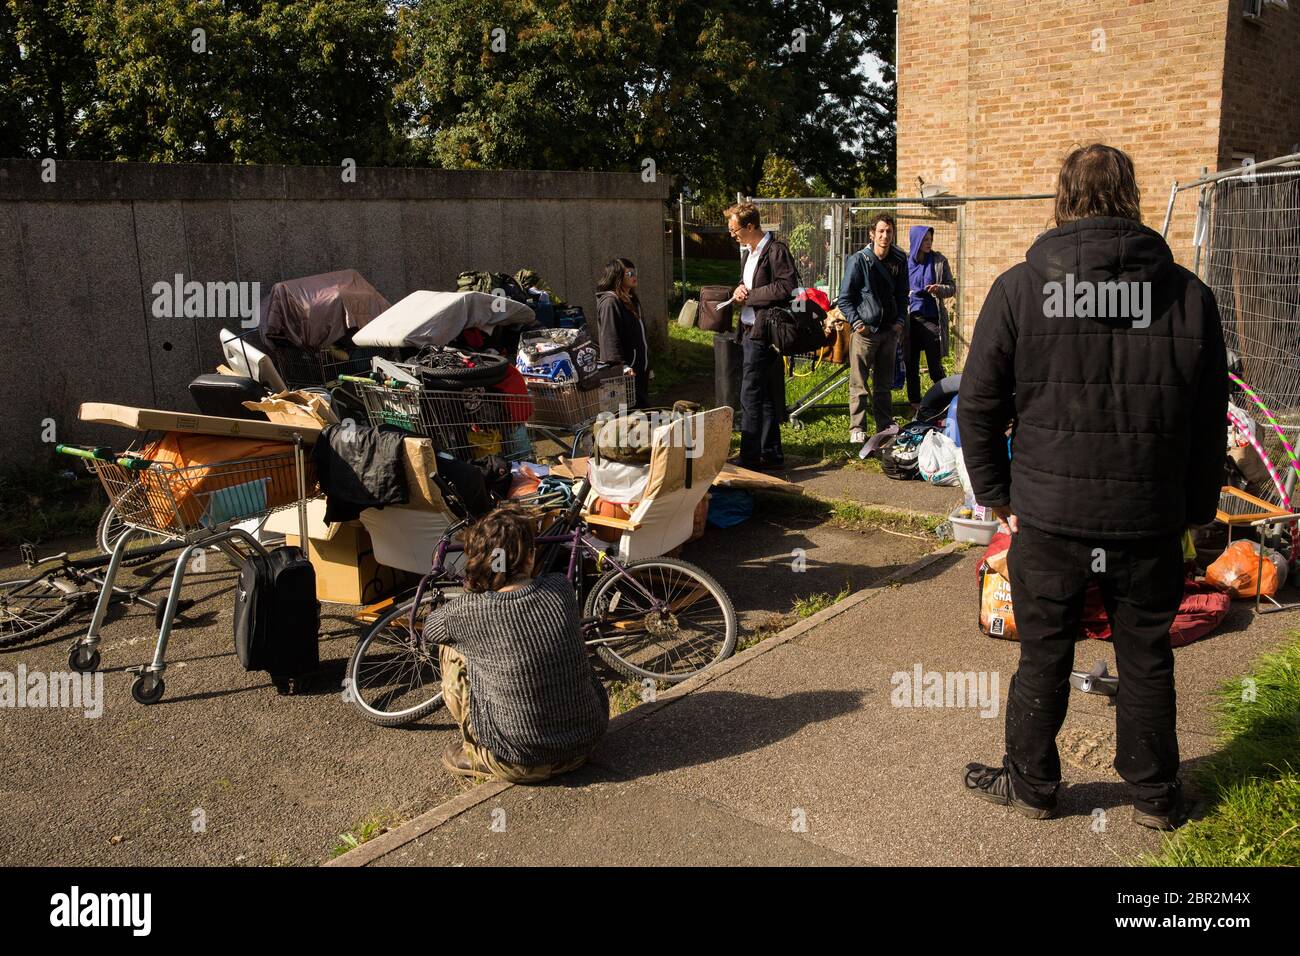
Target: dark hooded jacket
<point>1119,417</point>
<point>620,337</point>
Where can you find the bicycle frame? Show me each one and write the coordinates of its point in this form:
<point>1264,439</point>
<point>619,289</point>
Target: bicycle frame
<point>82,569</point>
<point>579,544</point>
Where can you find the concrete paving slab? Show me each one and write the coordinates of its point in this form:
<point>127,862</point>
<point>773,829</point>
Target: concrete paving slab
<point>594,818</point>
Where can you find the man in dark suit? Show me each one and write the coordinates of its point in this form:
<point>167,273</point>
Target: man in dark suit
<point>769,278</point>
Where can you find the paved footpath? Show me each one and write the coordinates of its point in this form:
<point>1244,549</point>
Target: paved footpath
<point>792,753</point>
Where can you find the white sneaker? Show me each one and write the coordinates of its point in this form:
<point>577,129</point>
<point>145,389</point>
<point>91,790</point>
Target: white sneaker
<point>857,436</point>
<point>876,440</point>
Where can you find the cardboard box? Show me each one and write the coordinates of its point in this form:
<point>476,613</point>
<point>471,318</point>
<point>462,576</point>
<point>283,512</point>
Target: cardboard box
<point>154,419</point>
<point>342,554</point>
<point>296,408</point>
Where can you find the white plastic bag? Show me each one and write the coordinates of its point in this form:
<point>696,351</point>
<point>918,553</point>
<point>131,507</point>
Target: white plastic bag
<point>937,459</point>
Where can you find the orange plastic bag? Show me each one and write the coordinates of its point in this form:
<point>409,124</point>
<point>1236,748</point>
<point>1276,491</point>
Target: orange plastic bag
<point>1238,567</point>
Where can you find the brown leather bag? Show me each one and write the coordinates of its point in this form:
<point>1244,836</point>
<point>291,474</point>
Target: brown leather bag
<point>712,318</point>
<point>838,351</point>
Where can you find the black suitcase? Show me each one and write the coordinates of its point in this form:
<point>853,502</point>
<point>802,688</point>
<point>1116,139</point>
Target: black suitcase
<point>224,395</point>
<point>277,617</point>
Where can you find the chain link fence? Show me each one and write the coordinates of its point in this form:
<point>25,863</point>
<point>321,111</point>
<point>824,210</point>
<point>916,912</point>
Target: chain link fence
<point>981,236</point>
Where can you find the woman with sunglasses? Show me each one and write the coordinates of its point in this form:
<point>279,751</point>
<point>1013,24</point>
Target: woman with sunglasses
<point>620,329</point>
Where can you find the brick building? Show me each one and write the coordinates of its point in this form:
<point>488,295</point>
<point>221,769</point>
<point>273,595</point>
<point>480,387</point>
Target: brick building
<point>992,94</point>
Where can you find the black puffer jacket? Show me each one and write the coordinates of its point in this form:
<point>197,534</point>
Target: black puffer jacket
<point>1119,424</point>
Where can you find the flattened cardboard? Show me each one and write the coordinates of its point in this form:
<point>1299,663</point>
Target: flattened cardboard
<point>154,419</point>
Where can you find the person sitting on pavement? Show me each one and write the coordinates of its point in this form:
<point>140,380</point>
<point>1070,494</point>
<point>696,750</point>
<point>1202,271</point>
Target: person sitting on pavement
<point>873,300</point>
<point>516,676</point>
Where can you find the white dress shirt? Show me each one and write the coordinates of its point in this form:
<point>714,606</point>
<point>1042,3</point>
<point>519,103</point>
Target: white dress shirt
<point>751,263</point>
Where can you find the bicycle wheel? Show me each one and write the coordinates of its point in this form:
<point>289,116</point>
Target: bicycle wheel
<point>31,608</point>
<point>110,530</point>
<point>693,627</point>
<point>393,677</point>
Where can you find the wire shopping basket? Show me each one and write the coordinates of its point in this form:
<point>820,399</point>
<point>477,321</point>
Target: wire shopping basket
<point>569,407</point>
<point>465,423</point>
<point>181,501</point>
<point>301,368</point>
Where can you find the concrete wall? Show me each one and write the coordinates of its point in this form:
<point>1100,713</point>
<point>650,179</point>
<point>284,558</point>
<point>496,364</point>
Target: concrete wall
<point>79,257</point>
<point>994,93</point>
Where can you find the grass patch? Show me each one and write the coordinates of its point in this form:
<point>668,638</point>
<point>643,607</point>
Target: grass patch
<point>689,359</point>
<point>375,825</point>
<point>1254,779</point>
<point>47,499</point>
<point>824,436</point>
<point>851,515</point>
<point>699,273</point>
<point>626,694</point>
<point>814,603</point>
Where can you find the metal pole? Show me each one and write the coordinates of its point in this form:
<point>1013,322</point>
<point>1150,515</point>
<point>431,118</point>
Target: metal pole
<point>1169,209</point>
<point>681,208</point>
<point>1200,210</point>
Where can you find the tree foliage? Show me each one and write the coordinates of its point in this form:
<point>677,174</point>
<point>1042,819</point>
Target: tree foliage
<point>718,94</point>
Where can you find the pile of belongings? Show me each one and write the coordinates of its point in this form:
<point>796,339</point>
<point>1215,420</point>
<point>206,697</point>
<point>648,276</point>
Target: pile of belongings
<point>315,312</point>
<point>440,318</point>
<point>558,356</point>
<point>619,469</point>
<point>1203,608</point>
<point>920,450</point>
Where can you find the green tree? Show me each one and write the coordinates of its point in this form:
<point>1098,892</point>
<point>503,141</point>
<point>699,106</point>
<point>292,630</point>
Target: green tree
<point>781,179</point>
<point>303,81</point>
<point>708,91</point>
<point>46,78</point>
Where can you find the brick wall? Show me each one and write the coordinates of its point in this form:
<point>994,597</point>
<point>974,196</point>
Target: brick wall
<point>994,93</point>
<point>1261,84</point>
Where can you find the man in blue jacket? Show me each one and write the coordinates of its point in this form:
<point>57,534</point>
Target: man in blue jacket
<point>873,300</point>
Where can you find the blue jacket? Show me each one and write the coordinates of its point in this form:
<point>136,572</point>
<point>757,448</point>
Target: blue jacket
<point>869,298</point>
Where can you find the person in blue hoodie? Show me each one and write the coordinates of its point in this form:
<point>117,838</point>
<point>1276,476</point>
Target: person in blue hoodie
<point>929,282</point>
<point>873,300</point>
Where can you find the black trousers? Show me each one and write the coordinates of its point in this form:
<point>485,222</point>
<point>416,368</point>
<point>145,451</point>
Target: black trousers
<point>1142,586</point>
<point>922,339</point>
<point>762,400</point>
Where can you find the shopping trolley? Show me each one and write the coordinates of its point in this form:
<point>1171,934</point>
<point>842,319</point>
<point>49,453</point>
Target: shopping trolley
<point>301,368</point>
<point>469,423</point>
<point>198,507</point>
<point>466,423</point>
<point>565,411</point>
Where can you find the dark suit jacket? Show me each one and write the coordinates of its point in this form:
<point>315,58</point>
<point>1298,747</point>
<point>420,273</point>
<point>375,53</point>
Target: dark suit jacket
<point>775,278</point>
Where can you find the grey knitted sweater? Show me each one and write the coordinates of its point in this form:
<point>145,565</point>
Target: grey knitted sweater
<point>534,696</point>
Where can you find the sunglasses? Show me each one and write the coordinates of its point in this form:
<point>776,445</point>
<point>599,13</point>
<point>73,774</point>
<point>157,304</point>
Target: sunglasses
<point>630,273</point>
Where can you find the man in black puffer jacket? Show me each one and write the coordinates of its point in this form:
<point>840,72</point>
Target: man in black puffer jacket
<point>1109,359</point>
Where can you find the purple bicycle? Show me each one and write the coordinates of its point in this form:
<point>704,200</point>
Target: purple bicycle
<point>657,619</point>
